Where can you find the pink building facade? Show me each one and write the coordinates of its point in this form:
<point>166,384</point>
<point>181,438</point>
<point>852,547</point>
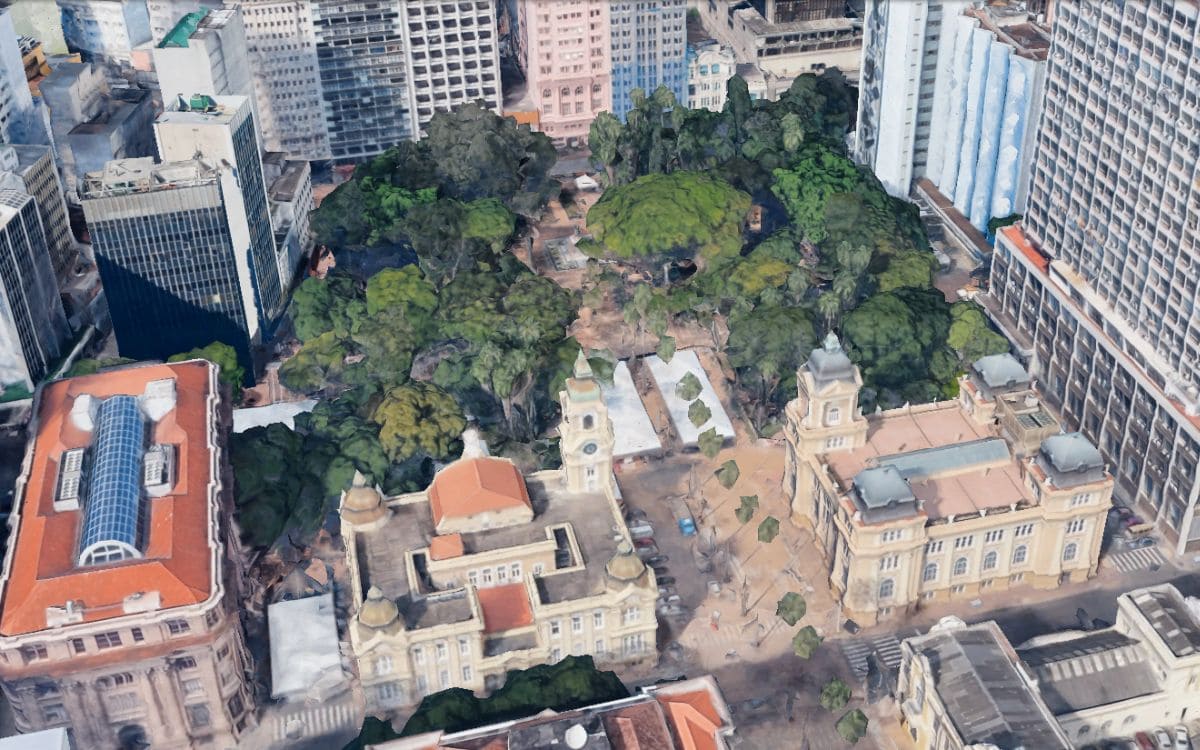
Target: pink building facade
<point>564,49</point>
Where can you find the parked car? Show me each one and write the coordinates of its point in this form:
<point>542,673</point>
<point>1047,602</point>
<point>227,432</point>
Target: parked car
<point>1145,541</point>
<point>659,570</point>
<point>641,531</point>
<point>647,551</point>
<point>666,581</point>
<point>851,627</point>
<point>637,514</point>
<point>1131,520</point>
<point>666,590</point>
<point>1182,741</point>
<point>644,542</point>
<point>657,560</point>
<point>1163,738</point>
<point>1144,742</point>
<point>669,599</point>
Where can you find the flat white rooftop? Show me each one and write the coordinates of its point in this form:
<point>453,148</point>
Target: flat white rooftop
<point>50,739</point>
<point>667,375</point>
<point>633,432</point>
<point>306,655</point>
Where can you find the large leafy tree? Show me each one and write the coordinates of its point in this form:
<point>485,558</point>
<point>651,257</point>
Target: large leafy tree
<point>895,335</point>
<point>765,346</point>
<point>225,357</point>
<point>419,420</point>
<point>970,335</point>
<point>661,217</point>
<point>450,236</point>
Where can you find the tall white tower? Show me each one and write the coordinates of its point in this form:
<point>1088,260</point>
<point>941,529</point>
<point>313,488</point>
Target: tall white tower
<point>586,432</point>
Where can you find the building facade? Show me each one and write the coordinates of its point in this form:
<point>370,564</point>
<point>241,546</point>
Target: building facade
<point>488,571</point>
<point>104,30</point>
<point>1061,690</point>
<point>221,129</point>
<point>290,194</point>
<point>165,14</point>
<point>35,166</point>
<point>282,46</point>
<point>128,635</point>
<point>1099,288</point>
<point>173,247</point>
<point>945,500</point>
<point>710,66</point>
<point>204,53</point>
<point>786,39</point>
<point>564,51</point>
<point>33,326</point>
<point>648,49</point>
<point>18,121</point>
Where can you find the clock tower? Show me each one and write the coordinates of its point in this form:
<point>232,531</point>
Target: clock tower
<point>586,433</point>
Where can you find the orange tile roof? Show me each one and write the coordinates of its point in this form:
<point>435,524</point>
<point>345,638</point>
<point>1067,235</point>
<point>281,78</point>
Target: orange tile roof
<point>177,557</point>
<point>505,608</point>
<point>477,485</point>
<point>694,719</point>
<point>446,546</point>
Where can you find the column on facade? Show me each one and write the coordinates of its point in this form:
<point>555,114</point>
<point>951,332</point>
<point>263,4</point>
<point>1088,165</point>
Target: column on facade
<point>167,700</point>
<point>80,699</point>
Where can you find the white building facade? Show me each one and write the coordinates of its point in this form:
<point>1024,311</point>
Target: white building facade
<point>710,66</point>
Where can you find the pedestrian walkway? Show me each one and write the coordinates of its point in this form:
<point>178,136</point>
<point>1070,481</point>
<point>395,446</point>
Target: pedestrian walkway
<point>856,652</point>
<point>1138,559</point>
<point>315,722</point>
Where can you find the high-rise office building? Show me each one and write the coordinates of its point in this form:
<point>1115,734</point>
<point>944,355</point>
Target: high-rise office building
<point>174,249</point>
<point>33,325</point>
<point>453,56</point>
<point>122,583</point>
<point>649,49</point>
<point>282,48</point>
<point>221,129</point>
<point>564,50</point>
<point>165,14</point>
<point>18,121</point>
<point>1100,287</point>
<point>35,167</point>
<point>204,53</point>
<point>104,30</point>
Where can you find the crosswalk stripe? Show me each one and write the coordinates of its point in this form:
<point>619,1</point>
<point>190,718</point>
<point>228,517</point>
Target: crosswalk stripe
<point>1138,559</point>
<point>857,653</point>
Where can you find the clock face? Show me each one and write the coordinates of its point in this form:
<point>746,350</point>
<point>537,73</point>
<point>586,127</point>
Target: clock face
<point>590,448</point>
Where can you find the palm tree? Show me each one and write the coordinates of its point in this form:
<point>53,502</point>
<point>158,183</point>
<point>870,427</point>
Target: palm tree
<point>830,306</point>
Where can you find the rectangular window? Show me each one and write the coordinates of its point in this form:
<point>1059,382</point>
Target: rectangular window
<point>598,620</point>
<point>890,562</point>
<point>538,569</point>
<point>1082,498</point>
<point>632,615</point>
<point>893,535</point>
<point>964,541</point>
<point>515,571</point>
<point>501,574</point>
<point>993,536</point>
<point>467,674</point>
<point>137,634</point>
<point>464,647</point>
<point>1024,529</point>
<point>444,678</point>
<point>193,687</point>
<point>186,662</point>
<point>1075,525</point>
<point>555,655</point>
<point>932,548</point>
<point>235,706</point>
<point>442,652</point>
<point>486,576</point>
<point>599,646</point>
<point>78,646</point>
<point>555,628</point>
<point>108,640</point>
<point>576,623</point>
<point>473,577</point>
<point>198,715</point>
<point>211,617</point>
<point>36,652</point>
<point>178,627</point>
<point>418,655</point>
<point>383,665</point>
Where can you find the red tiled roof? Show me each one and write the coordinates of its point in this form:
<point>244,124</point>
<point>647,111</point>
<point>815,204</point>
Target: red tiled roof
<point>477,485</point>
<point>505,608</point>
<point>446,547</point>
<point>1017,237</point>
<point>694,719</point>
<point>177,557</point>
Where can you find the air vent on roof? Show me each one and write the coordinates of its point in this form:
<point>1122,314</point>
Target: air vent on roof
<point>70,477</point>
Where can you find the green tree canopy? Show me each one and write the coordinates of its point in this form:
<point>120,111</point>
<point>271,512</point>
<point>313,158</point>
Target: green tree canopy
<point>699,413</point>
<point>852,726</point>
<point>680,215</point>
<point>894,335</point>
<point>765,346</point>
<point>745,511</point>
<point>728,474</point>
<point>835,695</point>
<point>689,387</point>
<point>225,357</point>
<point>970,334</point>
<point>419,419</point>
<point>806,642</point>
<point>913,269</point>
<point>710,442</point>
<point>791,608</point>
<point>768,529</point>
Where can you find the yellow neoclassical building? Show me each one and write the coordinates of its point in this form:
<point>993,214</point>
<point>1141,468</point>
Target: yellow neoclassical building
<point>488,570</point>
<point>943,500</point>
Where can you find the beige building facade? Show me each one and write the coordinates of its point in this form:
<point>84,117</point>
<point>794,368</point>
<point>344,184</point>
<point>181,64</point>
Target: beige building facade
<point>961,686</point>
<point>488,570</point>
<point>127,637</point>
<point>944,500</point>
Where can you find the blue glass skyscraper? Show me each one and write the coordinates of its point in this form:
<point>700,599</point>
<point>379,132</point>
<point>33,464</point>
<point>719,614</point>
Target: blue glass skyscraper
<point>649,49</point>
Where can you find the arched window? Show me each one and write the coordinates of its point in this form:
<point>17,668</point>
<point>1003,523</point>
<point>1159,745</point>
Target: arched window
<point>833,415</point>
<point>1085,730</point>
<point>588,421</point>
<point>565,91</point>
<point>1070,551</point>
<point>931,572</point>
<point>990,560</point>
<point>960,566</point>
<point>579,91</point>
<point>547,93</point>
<point>1019,554</point>
<point>887,587</point>
<point>596,88</point>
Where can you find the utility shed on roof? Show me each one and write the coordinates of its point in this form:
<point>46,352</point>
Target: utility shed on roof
<point>667,376</point>
<point>633,432</point>
<point>306,659</point>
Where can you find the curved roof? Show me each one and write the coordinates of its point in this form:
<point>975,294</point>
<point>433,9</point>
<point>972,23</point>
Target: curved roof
<point>1071,452</point>
<point>113,514</point>
<point>625,565</point>
<point>1000,370</point>
<point>472,486</point>
<point>377,611</point>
